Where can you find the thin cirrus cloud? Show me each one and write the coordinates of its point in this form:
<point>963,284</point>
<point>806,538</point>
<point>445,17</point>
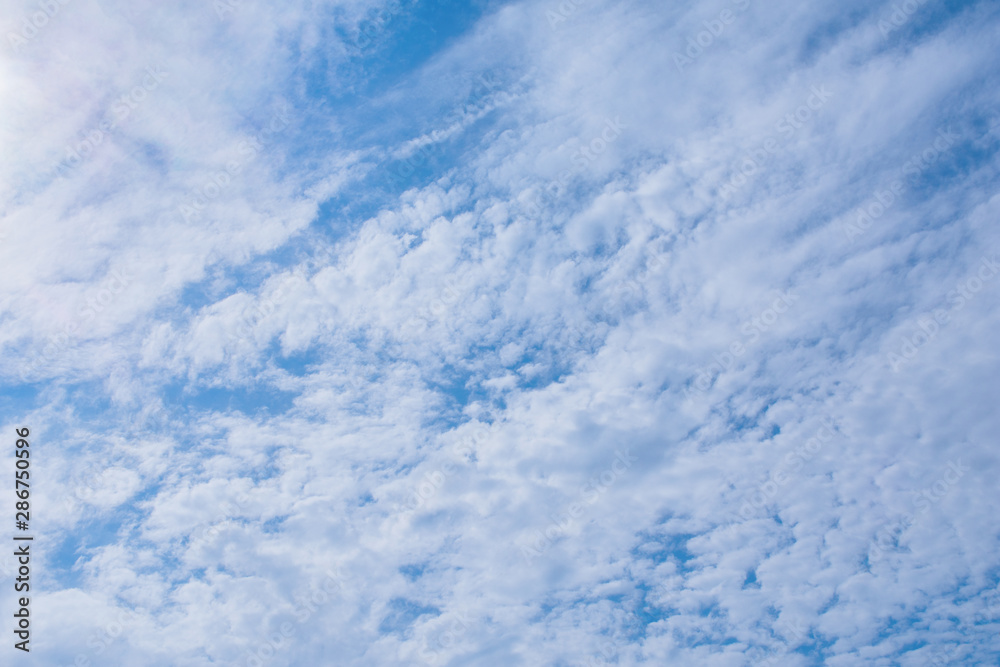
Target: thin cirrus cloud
<point>487,333</point>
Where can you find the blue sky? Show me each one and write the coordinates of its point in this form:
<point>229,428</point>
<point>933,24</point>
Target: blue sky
<point>504,333</point>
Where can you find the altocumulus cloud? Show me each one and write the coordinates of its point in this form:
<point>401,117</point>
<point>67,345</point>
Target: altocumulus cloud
<point>513,333</point>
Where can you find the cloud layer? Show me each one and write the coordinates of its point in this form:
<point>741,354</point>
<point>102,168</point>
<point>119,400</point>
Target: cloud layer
<point>528,333</point>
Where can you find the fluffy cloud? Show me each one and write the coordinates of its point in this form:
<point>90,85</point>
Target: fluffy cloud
<point>494,336</point>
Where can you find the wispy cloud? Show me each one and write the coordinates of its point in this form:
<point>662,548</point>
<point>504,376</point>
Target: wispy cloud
<point>504,332</point>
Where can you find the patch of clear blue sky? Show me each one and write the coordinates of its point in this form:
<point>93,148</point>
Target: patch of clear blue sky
<point>90,534</point>
<point>354,92</point>
<point>414,571</point>
<point>371,101</point>
<point>19,399</point>
<point>62,556</point>
<point>664,548</point>
<point>183,399</point>
<point>403,613</point>
<point>934,15</point>
<point>300,363</point>
<point>353,96</point>
<point>820,40</point>
<point>646,610</point>
<point>97,529</point>
<point>458,388</point>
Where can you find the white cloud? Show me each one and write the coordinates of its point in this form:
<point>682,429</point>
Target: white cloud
<point>407,388</point>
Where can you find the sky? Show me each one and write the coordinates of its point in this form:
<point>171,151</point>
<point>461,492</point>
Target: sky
<point>537,332</point>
